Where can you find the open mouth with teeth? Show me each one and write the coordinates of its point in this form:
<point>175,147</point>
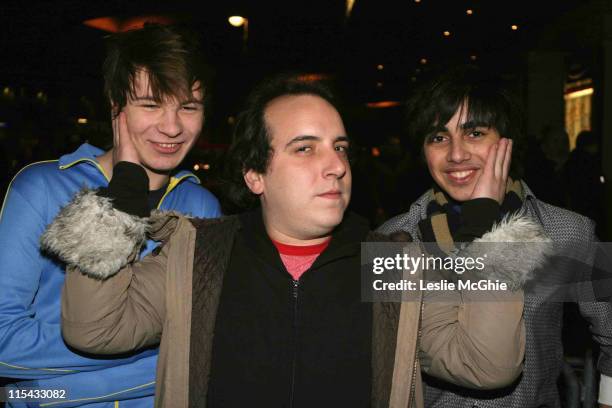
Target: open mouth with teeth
<point>166,148</point>
<point>463,176</point>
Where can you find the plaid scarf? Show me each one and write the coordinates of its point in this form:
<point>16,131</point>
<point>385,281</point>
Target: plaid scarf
<point>444,224</point>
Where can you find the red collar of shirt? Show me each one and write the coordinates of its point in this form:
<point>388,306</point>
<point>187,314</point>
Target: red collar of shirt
<point>301,250</point>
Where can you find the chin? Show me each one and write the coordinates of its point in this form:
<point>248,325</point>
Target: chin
<point>163,166</point>
<point>333,220</point>
<point>459,196</point>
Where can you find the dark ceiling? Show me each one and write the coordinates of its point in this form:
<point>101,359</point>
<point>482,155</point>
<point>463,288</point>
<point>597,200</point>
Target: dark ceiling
<point>46,46</point>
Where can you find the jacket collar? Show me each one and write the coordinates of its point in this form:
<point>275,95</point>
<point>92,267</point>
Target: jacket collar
<point>87,153</point>
<point>527,191</point>
<point>186,174</point>
<point>84,152</point>
<point>346,238</point>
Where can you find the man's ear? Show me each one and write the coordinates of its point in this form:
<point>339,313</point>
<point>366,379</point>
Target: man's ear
<point>254,181</point>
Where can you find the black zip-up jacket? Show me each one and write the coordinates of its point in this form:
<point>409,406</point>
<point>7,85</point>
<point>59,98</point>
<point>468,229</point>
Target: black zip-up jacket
<point>292,343</point>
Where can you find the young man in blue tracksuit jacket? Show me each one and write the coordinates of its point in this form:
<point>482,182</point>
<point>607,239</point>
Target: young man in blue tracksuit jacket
<point>154,82</point>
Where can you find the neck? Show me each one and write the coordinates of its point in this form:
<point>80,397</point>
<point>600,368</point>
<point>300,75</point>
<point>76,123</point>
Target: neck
<point>287,238</point>
<point>156,180</point>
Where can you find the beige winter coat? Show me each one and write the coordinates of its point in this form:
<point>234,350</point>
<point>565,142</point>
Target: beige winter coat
<point>473,344</point>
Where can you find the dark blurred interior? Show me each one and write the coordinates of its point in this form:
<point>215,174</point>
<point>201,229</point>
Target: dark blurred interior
<point>556,54</point>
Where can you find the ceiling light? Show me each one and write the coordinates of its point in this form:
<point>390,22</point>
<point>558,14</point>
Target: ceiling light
<point>383,104</point>
<point>236,21</point>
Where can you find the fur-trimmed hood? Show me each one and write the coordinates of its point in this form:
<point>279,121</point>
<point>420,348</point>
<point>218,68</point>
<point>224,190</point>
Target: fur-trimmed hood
<point>515,248</point>
<point>91,234</point>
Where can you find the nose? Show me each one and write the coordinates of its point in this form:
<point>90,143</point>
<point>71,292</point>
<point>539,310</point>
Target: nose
<point>335,164</point>
<point>458,152</point>
<point>170,123</point>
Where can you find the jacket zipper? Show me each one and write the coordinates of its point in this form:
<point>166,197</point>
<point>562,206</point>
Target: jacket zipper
<point>294,287</point>
<point>416,355</point>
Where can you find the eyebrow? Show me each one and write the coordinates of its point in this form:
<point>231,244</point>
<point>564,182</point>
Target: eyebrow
<point>471,124</point>
<point>192,100</point>
<point>298,139</point>
<point>150,98</point>
<point>342,139</point>
<point>464,126</point>
<point>142,98</point>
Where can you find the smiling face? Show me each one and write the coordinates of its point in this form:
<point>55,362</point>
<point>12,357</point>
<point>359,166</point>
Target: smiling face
<point>456,154</point>
<point>163,133</point>
<point>307,184</point>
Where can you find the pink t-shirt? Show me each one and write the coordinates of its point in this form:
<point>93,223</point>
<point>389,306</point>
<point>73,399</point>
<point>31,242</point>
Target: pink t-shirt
<point>297,259</point>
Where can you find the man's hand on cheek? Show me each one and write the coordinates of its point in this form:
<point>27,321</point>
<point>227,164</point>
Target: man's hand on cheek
<point>494,175</point>
<point>124,148</point>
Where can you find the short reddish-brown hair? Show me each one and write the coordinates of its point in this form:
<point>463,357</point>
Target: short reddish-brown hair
<point>169,54</point>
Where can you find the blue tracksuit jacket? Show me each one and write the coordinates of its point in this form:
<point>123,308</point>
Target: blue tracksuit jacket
<point>31,347</point>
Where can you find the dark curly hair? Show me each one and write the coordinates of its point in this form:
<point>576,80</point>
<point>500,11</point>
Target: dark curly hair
<point>250,149</point>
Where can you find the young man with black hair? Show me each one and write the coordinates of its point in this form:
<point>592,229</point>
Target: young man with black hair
<point>460,116</point>
<point>265,308</point>
<point>154,81</point>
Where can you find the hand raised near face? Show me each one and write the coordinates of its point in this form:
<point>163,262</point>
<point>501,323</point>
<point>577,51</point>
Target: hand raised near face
<point>124,148</point>
<point>492,180</point>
